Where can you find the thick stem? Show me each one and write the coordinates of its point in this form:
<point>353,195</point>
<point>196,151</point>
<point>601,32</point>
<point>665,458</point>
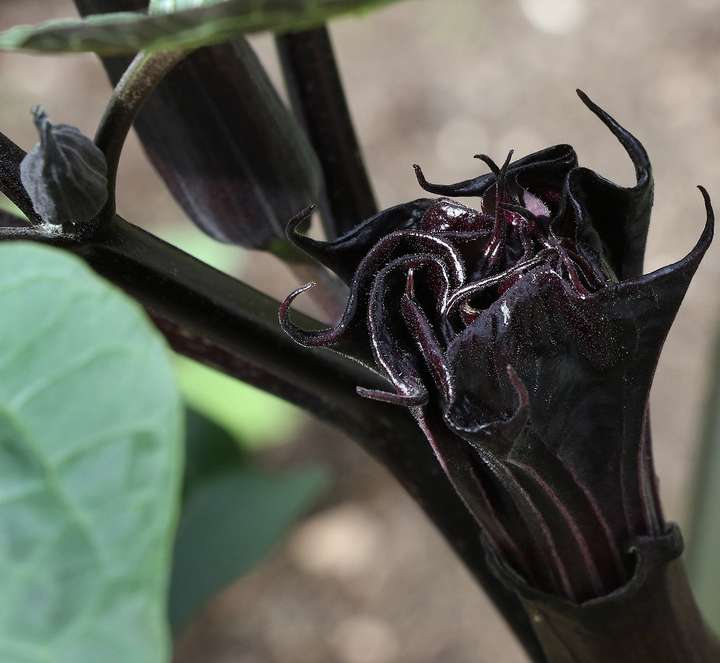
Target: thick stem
<point>10,157</point>
<point>317,96</point>
<point>136,85</point>
<point>652,619</point>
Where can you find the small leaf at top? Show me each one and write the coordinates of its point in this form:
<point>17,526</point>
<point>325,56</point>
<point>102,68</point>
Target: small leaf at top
<point>213,22</point>
<point>168,6</point>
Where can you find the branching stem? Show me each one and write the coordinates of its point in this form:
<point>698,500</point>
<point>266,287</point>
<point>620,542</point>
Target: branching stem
<point>136,85</point>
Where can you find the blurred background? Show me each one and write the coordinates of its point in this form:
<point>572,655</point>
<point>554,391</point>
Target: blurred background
<point>362,577</point>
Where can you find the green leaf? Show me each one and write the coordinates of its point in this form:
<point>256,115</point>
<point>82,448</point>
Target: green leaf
<point>229,523</point>
<point>213,22</point>
<point>90,459</point>
<point>209,450</point>
<point>250,415</point>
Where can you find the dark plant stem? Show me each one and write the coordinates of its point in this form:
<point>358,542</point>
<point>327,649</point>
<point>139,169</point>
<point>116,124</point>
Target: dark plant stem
<point>316,92</point>
<point>653,619</point>
<point>140,79</point>
<point>213,318</point>
<point>8,220</point>
<point>10,157</point>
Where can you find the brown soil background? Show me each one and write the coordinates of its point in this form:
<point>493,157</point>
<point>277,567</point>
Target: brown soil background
<point>366,579</point>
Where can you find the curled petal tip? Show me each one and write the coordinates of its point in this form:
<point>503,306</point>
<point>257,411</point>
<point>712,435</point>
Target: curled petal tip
<point>707,234</point>
<point>631,144</point>
<point>420,176</point>
<point>327,337</point>
<point>284,311</point>
<point>709,229</point>
<point>293,224</point>
<point>706,198</point>
<point>422,181</point>
<point>489,162</point>
<point>675,278</point>
<point>293,295</point>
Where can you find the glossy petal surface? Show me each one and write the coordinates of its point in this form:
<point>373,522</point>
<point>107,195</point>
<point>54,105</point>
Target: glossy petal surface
<point>524,338</point>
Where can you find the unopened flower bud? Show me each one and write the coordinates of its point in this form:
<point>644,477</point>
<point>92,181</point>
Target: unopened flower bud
<point>65,174</point>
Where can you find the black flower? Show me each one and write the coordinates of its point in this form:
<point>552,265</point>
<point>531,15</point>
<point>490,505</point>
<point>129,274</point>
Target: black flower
<point>523,337</point>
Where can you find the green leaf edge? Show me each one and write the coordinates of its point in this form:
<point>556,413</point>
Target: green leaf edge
<point>129,32</point>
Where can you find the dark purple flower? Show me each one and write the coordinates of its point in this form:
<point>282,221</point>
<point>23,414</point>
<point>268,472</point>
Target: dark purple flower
<point>523,337</point>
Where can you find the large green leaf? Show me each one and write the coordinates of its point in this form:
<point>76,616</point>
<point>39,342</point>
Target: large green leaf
<point>232,516</point>
<point>213,22</point>
<point>90,459</point>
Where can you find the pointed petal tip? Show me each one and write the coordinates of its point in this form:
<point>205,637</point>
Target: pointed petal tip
<point>490,163</point>
<point>709,229</point>
<point>425,185</point>
<point>703,243</point>
<point>685,268</point>
<point>594,108</point>
<point>632,145</point>
<point>592,105</point>
<point>292,225</point>
<point>420,176</point>
<point>506,163</point>
<point>706,198</point>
